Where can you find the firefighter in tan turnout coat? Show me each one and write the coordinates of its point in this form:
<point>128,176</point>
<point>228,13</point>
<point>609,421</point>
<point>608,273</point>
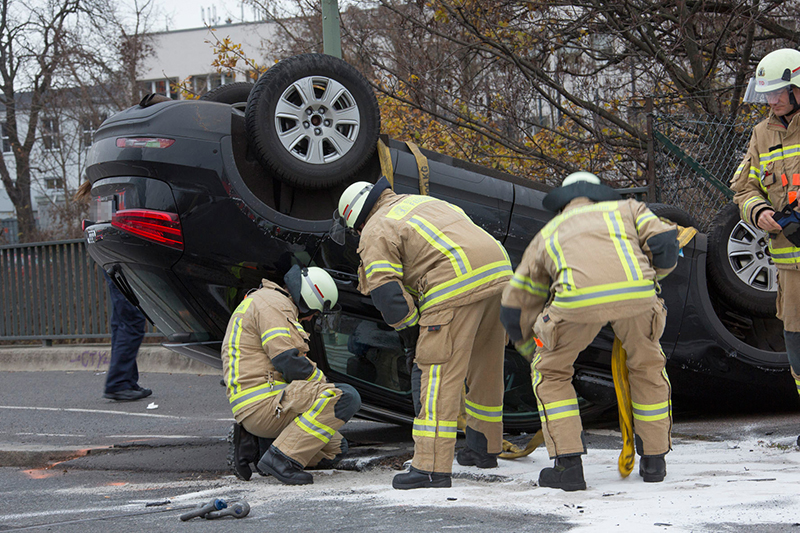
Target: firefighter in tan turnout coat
<point>595,263</point>
<point>436,278</point>
<point>768,181</point>
<point>286,412</point>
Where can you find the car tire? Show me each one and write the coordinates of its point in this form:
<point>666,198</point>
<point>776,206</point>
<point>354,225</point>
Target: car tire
<point>739,265</point>
<point>232,93</point>
<point>313,120</point>
<point>672,213</point>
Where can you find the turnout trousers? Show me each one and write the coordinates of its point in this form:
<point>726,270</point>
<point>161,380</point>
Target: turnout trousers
<point>788,304</point>
<point>552,373</point>
<point>304,419</point>
<point>458,344</point>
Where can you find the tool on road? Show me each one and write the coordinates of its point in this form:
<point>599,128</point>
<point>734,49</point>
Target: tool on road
<point>216,504</point>
<point>237,510</point>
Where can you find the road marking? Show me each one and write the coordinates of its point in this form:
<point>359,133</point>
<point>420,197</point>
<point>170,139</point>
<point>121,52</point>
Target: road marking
<point>52,434</point>
<point>109,412</point>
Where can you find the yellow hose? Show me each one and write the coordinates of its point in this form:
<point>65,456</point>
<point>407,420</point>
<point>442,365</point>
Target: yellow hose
<point>619,369</point>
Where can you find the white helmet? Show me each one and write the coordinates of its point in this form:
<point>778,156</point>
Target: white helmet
<point>352,202</point>
<point>580,176</point>
<point>318,288</point>
<point>775,71</point>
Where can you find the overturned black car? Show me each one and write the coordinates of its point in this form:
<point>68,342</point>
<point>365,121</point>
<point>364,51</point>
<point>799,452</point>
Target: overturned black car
<point>194,202</point>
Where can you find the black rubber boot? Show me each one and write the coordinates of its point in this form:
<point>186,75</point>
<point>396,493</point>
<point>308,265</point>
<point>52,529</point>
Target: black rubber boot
<point>653,468</point>
<point>329,464</point>
<point>469,457</point>
<point>284,469</point>
<point>566,474</point>
<point>242,450</point>
<point>417,479</point>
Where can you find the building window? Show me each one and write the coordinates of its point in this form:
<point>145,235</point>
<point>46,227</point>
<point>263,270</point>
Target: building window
<point>199,85</point>
<point>6,140</point>
<point>167,87</point>
<point>89,125</point>
<point>54,183</point>
<point>50,137</point>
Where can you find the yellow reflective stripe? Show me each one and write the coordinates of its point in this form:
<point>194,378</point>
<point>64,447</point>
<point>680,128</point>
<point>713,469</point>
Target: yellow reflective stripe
<point>254,394</point>
<point>448,429</point>
<point>454,253</point>
<point>797,382</point>
<point>536,379</point>
<point>784,256</point>
<point>243,305</point>
<point>750,202</point>
<point>407,205</point>
<point>424,428</point>
<point>383,266</point>
<point>784,152</point>
<point>609,292</point>
<point>557,255</point>
<point>552,226</point>
<point>298,325</point>
<point>627,257</point>
<point>644,217</point>
<point>412,320</point>
<point>489,413</point>
<point>462,284</point>
<point>308,421</point>
<point>562,409</point>
<point>527,347</point>
<point>234,353</point>
<point>316,375</point>
<point>651,412</point>
<point>274,333</point>
<point>528,285</point>
<point>432,392</point>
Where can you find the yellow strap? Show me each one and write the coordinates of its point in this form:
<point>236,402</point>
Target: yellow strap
<point>385,157</point>
<point>619,369</point>
<point>422,168</point>
<point>512,451</point>
<point>685,235</point>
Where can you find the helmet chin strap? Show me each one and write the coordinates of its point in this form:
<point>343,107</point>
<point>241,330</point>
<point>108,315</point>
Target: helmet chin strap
<point>793,101</point>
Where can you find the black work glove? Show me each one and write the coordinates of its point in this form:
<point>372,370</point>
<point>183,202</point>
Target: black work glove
<point>409,337</point>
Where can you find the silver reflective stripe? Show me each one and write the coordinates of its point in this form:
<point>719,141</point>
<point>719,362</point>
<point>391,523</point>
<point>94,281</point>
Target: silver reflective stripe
<point>623,245</point>
<point>257,392</point>
<point>454,253</point>
<point>603,294</point>
<point>639,412</point>
<point>303,420</point>
<point>551,411</point>
<point>438,293</point>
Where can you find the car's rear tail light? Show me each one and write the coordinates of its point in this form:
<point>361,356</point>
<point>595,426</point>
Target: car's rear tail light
<point>157,226</point>
<point>144,142</point>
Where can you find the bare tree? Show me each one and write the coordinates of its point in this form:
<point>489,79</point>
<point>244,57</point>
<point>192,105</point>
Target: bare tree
<point>50,49</point>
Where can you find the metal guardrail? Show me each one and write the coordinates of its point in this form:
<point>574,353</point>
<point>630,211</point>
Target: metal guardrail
<point>53,290</point>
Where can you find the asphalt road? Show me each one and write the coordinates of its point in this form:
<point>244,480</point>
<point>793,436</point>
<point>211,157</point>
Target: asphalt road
<point>72,461</point>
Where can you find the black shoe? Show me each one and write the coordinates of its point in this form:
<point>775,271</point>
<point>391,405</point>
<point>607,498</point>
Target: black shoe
<point>567,474</point>
<point>653,468</point>
<point>417,479</point>
<point>242,450</point>
<point>329,464</point>
<point>469,457</point>
<point>128,395</point>
<point>147,392</point>
<point>286,470</point>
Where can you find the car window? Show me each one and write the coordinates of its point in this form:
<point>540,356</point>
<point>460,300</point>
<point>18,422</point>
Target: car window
<point>368,351</point>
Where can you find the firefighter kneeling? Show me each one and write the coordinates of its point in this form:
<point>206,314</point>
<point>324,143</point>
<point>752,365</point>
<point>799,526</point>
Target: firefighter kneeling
<point>287,414</point>
<point>595,263</point>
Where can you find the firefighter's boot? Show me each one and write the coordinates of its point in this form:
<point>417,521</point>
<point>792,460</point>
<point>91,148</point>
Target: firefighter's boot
<point>329,464</point>
<point>242,451</point>
<point>566,474</point>
<point>469,457</point>
<point>653,468</point>
<point>284,469</point>
<point>417,479</point>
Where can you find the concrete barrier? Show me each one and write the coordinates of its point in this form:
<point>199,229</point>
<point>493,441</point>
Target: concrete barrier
<point>95,358</point>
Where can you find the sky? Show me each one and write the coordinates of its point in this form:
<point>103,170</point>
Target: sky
<point>183,14</point>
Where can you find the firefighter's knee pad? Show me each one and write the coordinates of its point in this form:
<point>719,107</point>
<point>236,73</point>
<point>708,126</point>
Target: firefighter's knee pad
<point>348,404</point>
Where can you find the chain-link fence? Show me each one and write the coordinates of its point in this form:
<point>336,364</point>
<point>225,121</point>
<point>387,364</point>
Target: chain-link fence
<point>695,159</point>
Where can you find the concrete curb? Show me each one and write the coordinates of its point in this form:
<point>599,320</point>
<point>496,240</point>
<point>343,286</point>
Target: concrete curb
<point>95,358</point>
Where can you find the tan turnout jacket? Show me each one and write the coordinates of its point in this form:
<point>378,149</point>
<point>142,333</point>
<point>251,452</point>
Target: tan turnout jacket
<point>769,178</point>
<point>591,263</point>
<point>439,257</point>
<point>263,326</point>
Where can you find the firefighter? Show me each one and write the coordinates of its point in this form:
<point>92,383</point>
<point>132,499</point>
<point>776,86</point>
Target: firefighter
<point>436,278</point>
<point>768,180</point>
<point>595,263</point>
<point>275,391</point>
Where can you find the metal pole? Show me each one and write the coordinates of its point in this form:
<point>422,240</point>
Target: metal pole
<point>331,37</point>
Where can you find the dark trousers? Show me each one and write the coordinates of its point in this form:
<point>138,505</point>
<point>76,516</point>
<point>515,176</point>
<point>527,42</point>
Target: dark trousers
<point>127,332</point>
